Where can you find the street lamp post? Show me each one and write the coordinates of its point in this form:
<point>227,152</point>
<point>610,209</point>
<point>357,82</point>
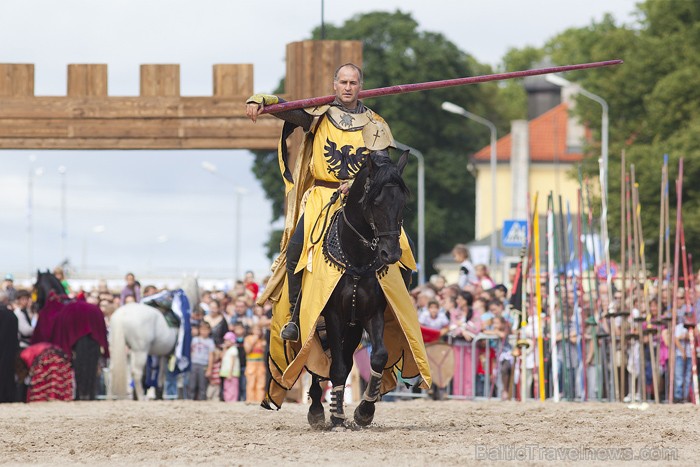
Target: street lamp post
<point>33,173</point>
<point>455,109</point>
<point>64,218</point>
<point>559,81</point>
<point>238,192</point>
<point>421,208</point>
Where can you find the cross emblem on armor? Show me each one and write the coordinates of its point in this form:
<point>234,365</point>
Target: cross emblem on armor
<point>376,135</point>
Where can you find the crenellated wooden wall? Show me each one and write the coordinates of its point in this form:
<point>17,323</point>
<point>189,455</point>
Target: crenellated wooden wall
<point>159,118</point>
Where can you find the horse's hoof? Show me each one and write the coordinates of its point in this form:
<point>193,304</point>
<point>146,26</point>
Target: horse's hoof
<point>337,421</point>
<point>317,420</point>
<point>364,413</point>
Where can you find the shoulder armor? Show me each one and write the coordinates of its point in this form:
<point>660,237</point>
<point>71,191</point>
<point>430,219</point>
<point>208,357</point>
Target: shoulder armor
<point>318,110</point>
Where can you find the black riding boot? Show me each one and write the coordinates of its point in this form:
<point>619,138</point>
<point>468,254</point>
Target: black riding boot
<point>290,331</point>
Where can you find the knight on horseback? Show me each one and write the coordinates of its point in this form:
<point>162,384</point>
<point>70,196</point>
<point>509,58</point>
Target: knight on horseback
<point>344,133</point>
<point>338,141</point>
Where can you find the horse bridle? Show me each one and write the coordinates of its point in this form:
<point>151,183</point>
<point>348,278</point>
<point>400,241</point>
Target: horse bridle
<point>372,245</point>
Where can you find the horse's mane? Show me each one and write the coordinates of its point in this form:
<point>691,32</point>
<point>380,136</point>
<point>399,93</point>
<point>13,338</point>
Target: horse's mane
<point>385,172</point>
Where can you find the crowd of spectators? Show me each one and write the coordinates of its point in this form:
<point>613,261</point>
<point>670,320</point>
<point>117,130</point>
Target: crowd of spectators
<point>473,315</point>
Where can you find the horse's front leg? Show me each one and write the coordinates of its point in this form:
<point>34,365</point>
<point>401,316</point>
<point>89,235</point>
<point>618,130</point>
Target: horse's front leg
<point>316,415</point>
<point>364,413</point>
<point>338,371</point>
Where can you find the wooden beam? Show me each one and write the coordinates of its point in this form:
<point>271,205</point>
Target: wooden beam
<point>160,80</point>
<point>16,80</point>
<point>87,80</point>
<point>140,143</point>
<point>233,80</point>
<point>123,107</point>
<point>140,128</point>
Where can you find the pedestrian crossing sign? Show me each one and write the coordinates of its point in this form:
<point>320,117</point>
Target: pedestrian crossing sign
<point>514,233</point>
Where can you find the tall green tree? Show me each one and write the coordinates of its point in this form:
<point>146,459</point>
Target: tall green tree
<point>396,51</point>
<point>654,104</point>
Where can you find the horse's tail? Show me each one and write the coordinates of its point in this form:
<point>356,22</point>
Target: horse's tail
<point>117,361</point>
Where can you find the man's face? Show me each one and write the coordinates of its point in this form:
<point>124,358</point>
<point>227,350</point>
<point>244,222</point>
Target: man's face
<point>347,86</point>
<point>23,302</point>
<point>241,307</point>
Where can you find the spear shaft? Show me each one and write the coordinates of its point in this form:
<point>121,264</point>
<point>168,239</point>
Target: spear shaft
<point>446,83</point>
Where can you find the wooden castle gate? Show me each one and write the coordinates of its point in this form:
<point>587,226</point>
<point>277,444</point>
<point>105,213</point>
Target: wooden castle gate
<point>159,118</point>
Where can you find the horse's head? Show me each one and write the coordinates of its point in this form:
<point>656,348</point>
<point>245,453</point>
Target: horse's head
<point>45,283</point>
<point>384,195</point>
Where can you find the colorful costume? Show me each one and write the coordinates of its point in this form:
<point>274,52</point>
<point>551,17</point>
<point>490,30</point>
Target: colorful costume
<point>334,150</point>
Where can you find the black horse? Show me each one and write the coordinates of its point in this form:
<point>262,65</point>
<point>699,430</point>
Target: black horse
<point>75,326</point>
<point>363,239</point>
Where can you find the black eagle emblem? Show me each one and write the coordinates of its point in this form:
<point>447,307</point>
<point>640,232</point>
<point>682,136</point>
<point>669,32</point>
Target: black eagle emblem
<point>342,162</point>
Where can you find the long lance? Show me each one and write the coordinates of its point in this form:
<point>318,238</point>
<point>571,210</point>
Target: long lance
<point>689,319</point>
<point>551,300</point>
<point>591,320</point>
<point>641,271</point>
<point>530,297</point>
<point>579,313</point>
<point>691,296</point>
<point>415,87</point>
<point>633,240</point>
<point>565,311</point>
<point>668,277</point>
<point>563,304</point>
<point>660,279</point>
<point>624,220</point>
<point>647,321</point>
<point>608,274</point>
<point>605,368</point>
<point>522,342</point>
<point>584,315</point>
<point>538,299</point>
<point>676,260</point>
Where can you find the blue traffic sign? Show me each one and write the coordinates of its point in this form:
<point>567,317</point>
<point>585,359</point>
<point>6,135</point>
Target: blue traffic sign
<point>514,233</point>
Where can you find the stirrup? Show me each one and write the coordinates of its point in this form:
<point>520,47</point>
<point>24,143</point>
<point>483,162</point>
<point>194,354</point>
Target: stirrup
<point>290,332</point>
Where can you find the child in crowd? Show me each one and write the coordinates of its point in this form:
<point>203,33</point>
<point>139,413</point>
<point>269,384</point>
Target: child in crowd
<point>240,331</point>
<point>230,368</point>
<point>434,317</point>
<point>501,328</point>
<point>467,272</point>
<point>255,373</point>
<point>212,374</point>
<point>202,346</point>
<point>483,277</point>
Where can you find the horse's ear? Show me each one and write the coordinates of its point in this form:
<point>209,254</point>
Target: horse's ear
<point>403,160</point>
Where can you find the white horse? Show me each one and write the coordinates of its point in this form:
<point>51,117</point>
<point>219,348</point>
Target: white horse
<point>144,331</point>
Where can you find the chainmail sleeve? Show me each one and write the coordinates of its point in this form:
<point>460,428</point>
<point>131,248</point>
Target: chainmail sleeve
<point>297,117</point>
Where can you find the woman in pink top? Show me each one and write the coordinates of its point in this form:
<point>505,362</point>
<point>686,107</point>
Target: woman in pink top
<point>461,332</point>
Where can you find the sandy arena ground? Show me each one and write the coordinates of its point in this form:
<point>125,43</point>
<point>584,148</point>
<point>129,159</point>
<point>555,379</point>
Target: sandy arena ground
<point>419,432</point>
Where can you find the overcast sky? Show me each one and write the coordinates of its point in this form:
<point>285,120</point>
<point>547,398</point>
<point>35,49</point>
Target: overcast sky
<point>159,211</point>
